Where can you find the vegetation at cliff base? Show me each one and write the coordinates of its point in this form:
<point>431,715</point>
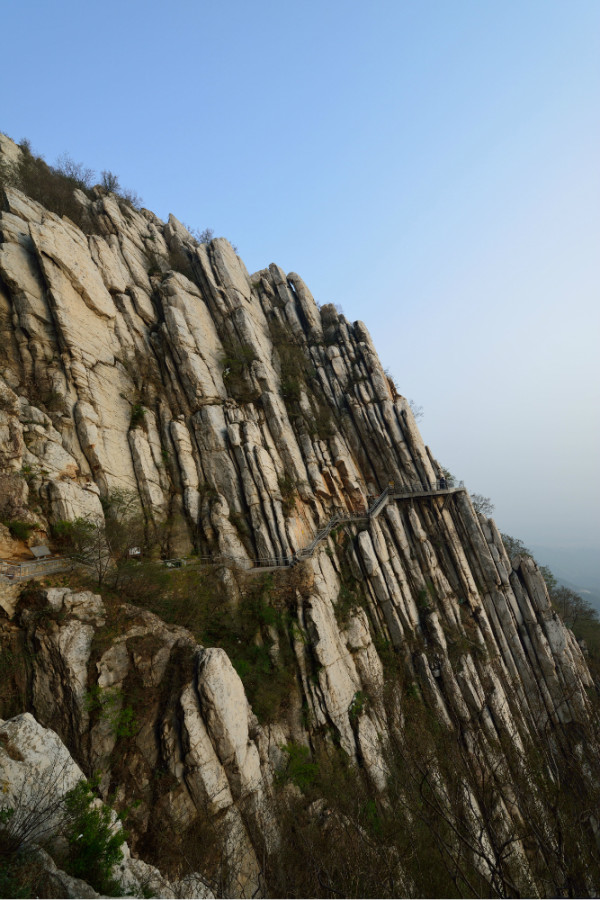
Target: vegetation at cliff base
<point>94,839</point>
<point>89,848</point>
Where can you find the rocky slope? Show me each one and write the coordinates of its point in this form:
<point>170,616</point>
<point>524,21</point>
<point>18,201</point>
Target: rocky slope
<point>37,771</point>
<point>243,416</point>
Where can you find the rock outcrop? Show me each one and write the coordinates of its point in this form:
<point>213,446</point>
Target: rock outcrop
<point>243,416</point>
<point>36,773</point>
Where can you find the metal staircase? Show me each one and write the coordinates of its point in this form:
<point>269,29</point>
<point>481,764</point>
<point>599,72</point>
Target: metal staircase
<point>13,572</point>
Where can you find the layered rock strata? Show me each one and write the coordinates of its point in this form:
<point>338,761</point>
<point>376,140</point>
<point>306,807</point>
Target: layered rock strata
<point>244,415</point>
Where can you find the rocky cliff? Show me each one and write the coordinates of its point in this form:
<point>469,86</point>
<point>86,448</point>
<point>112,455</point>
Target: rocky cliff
<point>420,673</point>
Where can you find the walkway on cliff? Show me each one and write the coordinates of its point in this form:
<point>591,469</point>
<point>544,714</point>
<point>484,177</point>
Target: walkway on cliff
<point>11,572</point>
<point>392,492</point>
<point>21,572</point>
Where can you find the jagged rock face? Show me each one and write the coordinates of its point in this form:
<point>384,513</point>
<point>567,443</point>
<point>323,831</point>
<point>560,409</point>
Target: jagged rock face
<point>90,335</point>
<point>136,358</point>
<point>36,772</point>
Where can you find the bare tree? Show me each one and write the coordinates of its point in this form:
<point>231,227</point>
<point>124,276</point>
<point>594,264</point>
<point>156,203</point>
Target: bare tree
<point>482,504</point>
<point>416,410</point>
<point>514,546</point>
<point>572,607</point>
<point>105,546</point>
<point>77,172</point>
<point>110,181</point>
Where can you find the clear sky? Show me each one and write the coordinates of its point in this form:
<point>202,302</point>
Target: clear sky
<point>430,165</point>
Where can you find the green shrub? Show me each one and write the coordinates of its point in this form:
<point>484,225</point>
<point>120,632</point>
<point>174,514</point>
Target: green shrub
<point>236,361</point>
<point>237,357</point>
<point>154,265</point>
<point>291,388</point>
<point>195,599</point>
<point>391,660</point>
<point>138,416</point>
<point>179,261</point>
<point>94,842</point>
<point>300,770</point>
<point>357,706</point>
<point>21,531</point>
<point>267,686</point>
<point>323,425</point>
<point>108,703</point>
<point>62,534</point>
<point>351,594</point>
<point>423,600</point>
<point>289,492</point>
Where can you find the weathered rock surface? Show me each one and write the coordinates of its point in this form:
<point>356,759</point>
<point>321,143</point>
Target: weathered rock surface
<point>136,359</point>
<point>36,771</point>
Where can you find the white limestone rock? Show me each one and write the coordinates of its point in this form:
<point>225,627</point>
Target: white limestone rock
<point>67,248</point>
<point>226,713</point>
<point>70,500</point>
<point>12,444</point>
<point>36,771</point>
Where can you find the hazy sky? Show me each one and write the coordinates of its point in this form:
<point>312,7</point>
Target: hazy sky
<point>430,166</point>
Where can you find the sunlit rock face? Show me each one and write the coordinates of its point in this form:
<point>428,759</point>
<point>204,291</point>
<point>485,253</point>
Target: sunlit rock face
<point>243,416</point>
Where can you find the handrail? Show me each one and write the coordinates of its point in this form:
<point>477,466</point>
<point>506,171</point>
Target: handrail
<point>18,571</point>
<point>442,486</point>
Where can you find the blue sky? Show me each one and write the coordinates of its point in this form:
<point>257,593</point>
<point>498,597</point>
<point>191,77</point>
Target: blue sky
<point>430,166</point>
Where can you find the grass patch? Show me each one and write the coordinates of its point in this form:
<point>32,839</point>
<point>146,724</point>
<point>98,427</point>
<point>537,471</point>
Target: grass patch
<point>299,770</point>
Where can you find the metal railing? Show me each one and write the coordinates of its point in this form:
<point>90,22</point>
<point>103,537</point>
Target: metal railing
<point>392,491</point>
<point>20,571</point>
<point>438,487</point>
<point>395,491</point>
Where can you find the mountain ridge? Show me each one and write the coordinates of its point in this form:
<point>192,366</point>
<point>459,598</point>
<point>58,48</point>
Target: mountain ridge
<point>144,369</point>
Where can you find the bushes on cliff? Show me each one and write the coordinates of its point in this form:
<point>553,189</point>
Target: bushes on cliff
<point>236,361</point>
<point>248,634</point>
<point>13,495</point>
<point>300,770</point>
<point>89,835</point>
<point>298,374</point>
<point>576,611</point>
<point>332,834</point>
<point>289,493</point>
<point>54,186</point>
<point>21,873</point>
<point>21,531</point>
<point>94,839</point>
<point>104,546</point>
<point>254,633</point>
<point>110,182</point>
<point>443,828</point>
<point>138,417</point>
